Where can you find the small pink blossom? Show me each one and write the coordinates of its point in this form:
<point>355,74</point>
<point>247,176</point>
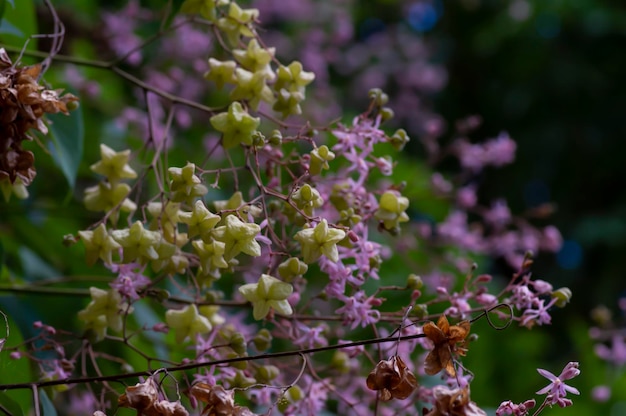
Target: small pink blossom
<point>557,389</point>
<point>616,354</point>
<point>510,408</point>
<point>601,393</point>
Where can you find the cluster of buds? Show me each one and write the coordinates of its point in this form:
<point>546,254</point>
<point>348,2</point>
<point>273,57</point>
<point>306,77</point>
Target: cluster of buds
<point>23,103</point>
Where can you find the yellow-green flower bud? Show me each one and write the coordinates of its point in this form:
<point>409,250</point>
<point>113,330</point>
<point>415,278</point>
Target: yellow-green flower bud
<point>391,210</point>
<point>414,282</point>
<point>266,373</point>
<point>240,380</point>
<point>563,296</point>
<point>291,268</point>
<point>399,139</point>
<point>307,198</point>
<point>420,311</point>
<point>378,97</point>
<point>238,343</point>
<point>262,340</point>
<point>276,138</point>
<point>386,114</point>
<point>319,159</point>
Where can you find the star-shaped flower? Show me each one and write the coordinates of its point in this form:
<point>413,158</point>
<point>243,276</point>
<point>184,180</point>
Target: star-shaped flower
<point>165,218</point>
<point>187,322</point>
<point>238,237</point>
<point>99,244</point>
<point>184,184</point>
<point>200,221</point>
<point>104,310</point>
<point>236,126</point>
<point>113,165</point>
<point>445,338</point>
<point>320,240</point>
<point>211,255</point>
<point>106,196</point>
<point>138,242</point>
<point>221,72</point>
<point>268,292</point>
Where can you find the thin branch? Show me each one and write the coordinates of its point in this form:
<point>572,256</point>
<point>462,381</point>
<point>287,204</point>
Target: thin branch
<point>267,356</point>
<point>111,65</point>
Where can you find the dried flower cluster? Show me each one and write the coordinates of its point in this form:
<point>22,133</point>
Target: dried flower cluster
<point>144,397</point>
<point>23,103</point>
<point>219,402</point>
<point>392,379</point>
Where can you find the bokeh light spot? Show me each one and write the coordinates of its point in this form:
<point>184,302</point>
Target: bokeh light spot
<point>570,256</point>
<point>423,16</point>
<point>548,25</point>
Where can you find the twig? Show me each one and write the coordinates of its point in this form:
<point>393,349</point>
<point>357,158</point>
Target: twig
<point>267,356</point>
<point>112,66</point>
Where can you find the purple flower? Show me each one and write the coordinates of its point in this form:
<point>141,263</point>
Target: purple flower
<point>500,151</point>
<point>616,354</point>
<point>601,393</point>
<point>557,389</point>
<point>358,310</point>
<point>129,281</point>
<point>510,408</point>
<point>499,215</point>
<point>540,315</point>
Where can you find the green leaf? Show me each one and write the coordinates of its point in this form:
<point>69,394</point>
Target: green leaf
<point>175,4</point>
<point>7,27</point>
<point>47,408</point>
<point>67,133</point>
<point>9,406</point>
<point>2,4</point>
<point>22,23</point>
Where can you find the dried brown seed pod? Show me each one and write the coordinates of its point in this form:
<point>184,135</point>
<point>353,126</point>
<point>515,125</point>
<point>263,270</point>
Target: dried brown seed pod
<point>392,379</point>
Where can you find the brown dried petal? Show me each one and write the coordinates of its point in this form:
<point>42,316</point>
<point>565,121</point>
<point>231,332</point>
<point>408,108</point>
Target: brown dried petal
<point>167,408</point>
<point>5,80</point>
<point>392,379</point>
<point>28,94</point>
<point>8,114</point>
<point>444,337</point>
<point>212,395</point>
<point>5,61</point>
<point>141,396</point>
<point>32,71</point>
<point>449,402</point>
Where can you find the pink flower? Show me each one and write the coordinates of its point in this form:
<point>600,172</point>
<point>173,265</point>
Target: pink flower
<point>357,310</point>
<point>616,354</point>
<point>557,389</point>
<point>510,408</point>
<point>601,393</point>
